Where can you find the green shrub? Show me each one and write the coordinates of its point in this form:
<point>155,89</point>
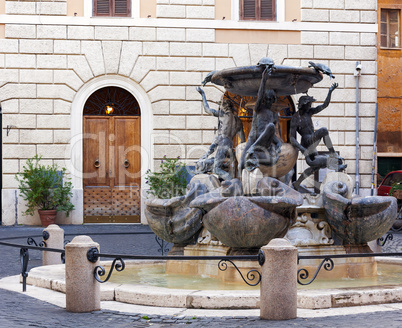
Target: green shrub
<point>44,187</point>
<point>395,186</point>
<point>170,181</point>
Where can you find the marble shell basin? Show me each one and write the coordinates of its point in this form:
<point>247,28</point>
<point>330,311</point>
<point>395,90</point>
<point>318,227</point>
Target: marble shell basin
<point>172,219</point>
<point>248,222</point>
<point>357,220</point>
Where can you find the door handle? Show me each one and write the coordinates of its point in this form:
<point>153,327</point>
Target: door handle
<point>97,163</point>
<point>126,163</point>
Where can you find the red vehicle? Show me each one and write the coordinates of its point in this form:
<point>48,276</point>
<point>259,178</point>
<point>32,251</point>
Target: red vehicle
<point>390,179</point>
<point>383,190</point>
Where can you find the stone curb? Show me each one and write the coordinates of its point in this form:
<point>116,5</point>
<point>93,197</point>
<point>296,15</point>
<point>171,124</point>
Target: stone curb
<point>52,277</point>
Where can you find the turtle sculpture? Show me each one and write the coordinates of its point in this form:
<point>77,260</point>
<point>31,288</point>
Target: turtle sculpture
<point>208,78</point>
<point>266,61</point>
<point>322,68</point>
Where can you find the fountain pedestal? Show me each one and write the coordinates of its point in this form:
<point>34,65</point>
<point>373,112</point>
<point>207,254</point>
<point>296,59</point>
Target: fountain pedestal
<point>210,267</point>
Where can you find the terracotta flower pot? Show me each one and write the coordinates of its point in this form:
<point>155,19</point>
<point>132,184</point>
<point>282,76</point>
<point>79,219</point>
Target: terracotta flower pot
<point>47,217</point>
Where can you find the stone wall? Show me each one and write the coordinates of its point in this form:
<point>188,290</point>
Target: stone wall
<point>340,51</point>
<point>35,7</point>
<point>43,64</point>
<point>191,9</point>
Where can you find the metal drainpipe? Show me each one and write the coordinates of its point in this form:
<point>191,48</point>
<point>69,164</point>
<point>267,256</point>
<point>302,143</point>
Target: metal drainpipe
<point>357,75</point>
<point>374,151</point>
<point>1,173</point>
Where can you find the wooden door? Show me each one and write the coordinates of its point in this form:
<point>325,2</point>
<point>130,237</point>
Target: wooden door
<point>112,168</point>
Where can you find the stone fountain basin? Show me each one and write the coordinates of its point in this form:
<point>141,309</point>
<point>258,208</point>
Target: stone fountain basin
<point>247,222</point>
<point>358,220</point>
<point>53,277</point>
<point>172,219</point>
<point>285,80</point>
<point>174,226</point>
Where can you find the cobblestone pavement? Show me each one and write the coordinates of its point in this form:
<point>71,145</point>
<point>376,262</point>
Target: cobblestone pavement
<point>18,310</point>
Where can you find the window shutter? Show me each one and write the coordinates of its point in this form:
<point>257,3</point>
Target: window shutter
<point>257,10</point>
<point>267,10</point>
<point>122,7</point>
<point>112,8</point>
<point>102,8</point>
<point>249,9</point>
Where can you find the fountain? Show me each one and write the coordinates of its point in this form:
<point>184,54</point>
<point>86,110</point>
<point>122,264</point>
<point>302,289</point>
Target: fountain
<point>238,211</point>
<point>241,199</point>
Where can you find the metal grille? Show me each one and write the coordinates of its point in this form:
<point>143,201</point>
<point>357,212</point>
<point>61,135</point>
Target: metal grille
<point>122,101</point>
<point>97,202</point>
<point>112,202</point>
<point>126,201</point>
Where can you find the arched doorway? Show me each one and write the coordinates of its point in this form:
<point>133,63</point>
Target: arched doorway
<point>112,157</point>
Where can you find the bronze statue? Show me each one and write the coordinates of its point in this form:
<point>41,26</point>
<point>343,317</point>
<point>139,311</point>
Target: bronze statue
<point>302,123</point>
<point>228,126</point>
<point>263,146</point>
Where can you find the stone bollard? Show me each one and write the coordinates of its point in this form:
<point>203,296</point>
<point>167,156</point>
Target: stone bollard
<point>55,240</point>
<point>278,292</point>
<point>82,290</point>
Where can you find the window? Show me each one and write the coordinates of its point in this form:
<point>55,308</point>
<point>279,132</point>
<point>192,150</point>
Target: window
<point>390,28</point>
<point>257,10</point>
<point>392,179</point>
<point>116,8</point>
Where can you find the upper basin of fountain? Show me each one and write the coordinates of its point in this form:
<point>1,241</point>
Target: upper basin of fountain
<point>285,80</point>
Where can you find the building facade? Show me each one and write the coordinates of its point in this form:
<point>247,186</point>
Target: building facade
<point>63,61</point>
<point>389,87</point>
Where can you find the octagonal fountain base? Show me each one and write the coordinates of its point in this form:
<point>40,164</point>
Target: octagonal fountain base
<point>53,277</point>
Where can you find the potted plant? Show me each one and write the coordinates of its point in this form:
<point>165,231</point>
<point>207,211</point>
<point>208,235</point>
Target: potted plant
<point>170,181</point>
<point>46,189</point>
<point>168,213</point>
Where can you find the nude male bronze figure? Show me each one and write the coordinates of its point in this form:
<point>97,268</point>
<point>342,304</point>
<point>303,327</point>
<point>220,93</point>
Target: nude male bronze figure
<point>302,123</point>
<point>229,124</point>
<point>263,146</point>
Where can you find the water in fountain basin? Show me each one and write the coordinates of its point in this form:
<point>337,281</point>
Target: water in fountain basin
<point>155,275</point>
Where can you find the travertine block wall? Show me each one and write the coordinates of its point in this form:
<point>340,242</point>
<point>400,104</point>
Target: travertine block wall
<point>42,67</point>
<point>37,7</point>
<point>192,9</point>
<point>340,51</point>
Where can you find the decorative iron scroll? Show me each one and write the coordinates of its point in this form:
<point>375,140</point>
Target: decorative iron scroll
<point>303,273</point>
<point>222,265</point>
<point>24,257</point>
<point>381,241</point>
<point>164,247</point>
<point>45,236</point>
<point>100,271</point>
<point>31,241</point>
